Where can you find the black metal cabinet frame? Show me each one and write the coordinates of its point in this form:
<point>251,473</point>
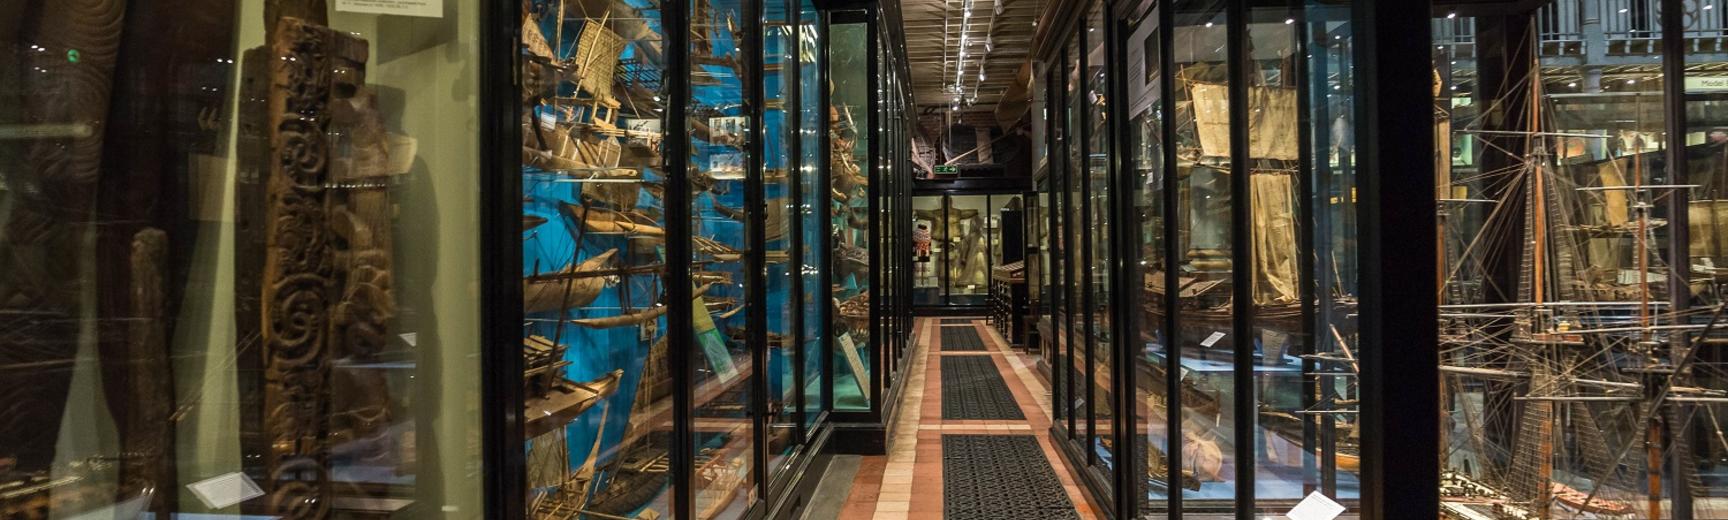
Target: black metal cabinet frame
<point>889,192</point>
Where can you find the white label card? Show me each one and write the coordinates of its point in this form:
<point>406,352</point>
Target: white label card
<point>1211,340</point>
<point>850,350</point>
<point>421,8</point>
<point>225,490</point>
<point>1315,507</point>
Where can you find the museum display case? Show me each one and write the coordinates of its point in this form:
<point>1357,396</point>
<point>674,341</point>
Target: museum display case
<point>1201,318</point>
<point>852,165</point>
<point>867,147</point>
<point>239,244</point>
<point>686,195</point>
<point>956,243</point>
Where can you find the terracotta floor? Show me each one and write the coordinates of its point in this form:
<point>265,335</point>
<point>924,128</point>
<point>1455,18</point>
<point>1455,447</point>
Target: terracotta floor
<point>907,483</point>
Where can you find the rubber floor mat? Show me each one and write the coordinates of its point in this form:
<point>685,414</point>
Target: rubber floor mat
<point>961,339</point>
<point>957,321</point>
<point>1000,477</point>
<point>972,389</point>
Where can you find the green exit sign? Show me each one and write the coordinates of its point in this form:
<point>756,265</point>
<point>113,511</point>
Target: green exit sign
<point>947,169</point>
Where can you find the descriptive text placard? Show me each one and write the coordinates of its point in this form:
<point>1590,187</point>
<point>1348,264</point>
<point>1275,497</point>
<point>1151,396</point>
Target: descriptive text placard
<point>1315,507</point>
<point>225,490</point>
<point>421,8</point>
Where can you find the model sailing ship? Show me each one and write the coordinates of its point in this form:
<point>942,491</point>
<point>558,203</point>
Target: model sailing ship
<point>1577,377</point>
<point>594,286</point>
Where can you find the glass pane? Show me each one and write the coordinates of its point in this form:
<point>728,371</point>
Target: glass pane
<point>1204,308</point>
<point>997,204</point>
<point>599,404</point>
<point>1150,351</point>
<point>238,253</point>
<point>812,120</point>
<point>777,138</point>
<point>719,120</point>
<point>1550,328</point>
<point>1074,177</point>
<point>848,162</point>
<point>1704,451</point>
<point>1289,418</point>
<point>1327,428</point>
<point>929,243</point>
<point>967,248</point>
<point>1098,139</point>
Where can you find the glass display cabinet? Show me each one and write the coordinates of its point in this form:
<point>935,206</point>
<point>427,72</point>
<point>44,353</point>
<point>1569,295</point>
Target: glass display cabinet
<point>956,244</point>
<point>680,195</point>
<point>851,165</point>
<point>868,182</point>
<point>1205,316</point>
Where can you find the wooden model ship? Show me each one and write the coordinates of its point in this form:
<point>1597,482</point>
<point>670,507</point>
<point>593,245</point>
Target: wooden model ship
<point>1574,383</point>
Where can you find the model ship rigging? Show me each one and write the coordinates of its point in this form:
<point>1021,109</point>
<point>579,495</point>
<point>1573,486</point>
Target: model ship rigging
<point>1571,343</point>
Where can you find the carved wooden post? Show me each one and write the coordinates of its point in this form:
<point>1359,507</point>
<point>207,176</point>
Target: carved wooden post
<point>309,66</point>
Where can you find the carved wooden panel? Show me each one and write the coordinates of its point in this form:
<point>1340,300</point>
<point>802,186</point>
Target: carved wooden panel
<point>310,67</point>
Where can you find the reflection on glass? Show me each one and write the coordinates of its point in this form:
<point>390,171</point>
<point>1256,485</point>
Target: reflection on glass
<point>849,162</point>
<point>777,228</point>
<point>810,130</point>
<point>1204,307</point>
<point>719,121</point>
<point>1097,170</point>
<point>1303,410</point>
<point>1149,350</point>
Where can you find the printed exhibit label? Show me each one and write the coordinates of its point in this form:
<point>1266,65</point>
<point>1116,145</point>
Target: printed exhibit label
<point>421,8</point>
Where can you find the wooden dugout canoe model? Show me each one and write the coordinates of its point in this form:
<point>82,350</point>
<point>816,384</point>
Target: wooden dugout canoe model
<point>611,221</point>
<point>571,289</point>
<point>635,318</point>
<point>714,248</point>
<point>566,400</point>
<point>532,221</point>
<point>774,222</point>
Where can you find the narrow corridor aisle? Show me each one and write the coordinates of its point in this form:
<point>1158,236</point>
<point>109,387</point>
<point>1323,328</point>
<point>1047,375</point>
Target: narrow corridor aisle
<point>972,439</point>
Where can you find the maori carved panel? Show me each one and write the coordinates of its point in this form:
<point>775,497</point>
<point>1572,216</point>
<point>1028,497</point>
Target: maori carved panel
<point>311,67</point>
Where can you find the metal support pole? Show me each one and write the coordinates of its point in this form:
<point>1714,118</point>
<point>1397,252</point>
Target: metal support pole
<point>1243,433</point>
